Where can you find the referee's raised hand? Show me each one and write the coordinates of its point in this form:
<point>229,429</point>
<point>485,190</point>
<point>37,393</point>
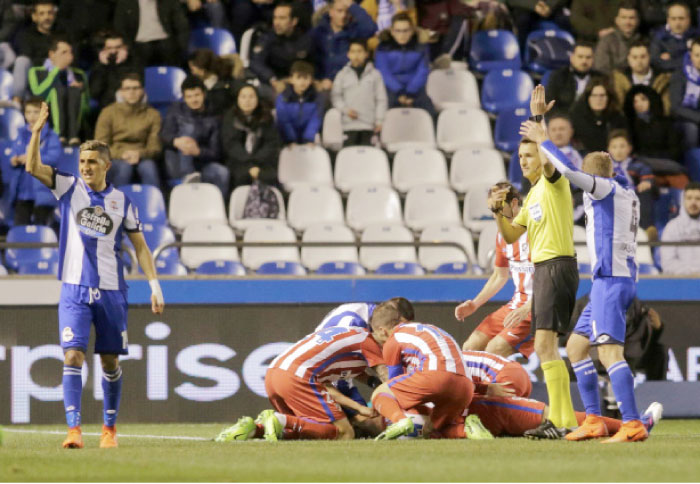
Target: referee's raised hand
<point>538,104</point>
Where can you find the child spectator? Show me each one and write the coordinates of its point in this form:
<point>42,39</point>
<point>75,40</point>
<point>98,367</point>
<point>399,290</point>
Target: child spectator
<point>299,110</point>
<point>64,88</point>
<point>190,138</point>
<point>33,203</point>
<point>358,92</point>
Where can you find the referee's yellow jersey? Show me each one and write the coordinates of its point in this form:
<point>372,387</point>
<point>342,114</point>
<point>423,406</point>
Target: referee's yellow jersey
<point>548,215</point>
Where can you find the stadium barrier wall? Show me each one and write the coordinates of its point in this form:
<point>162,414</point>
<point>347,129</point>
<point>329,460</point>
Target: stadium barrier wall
<point>206,362</point>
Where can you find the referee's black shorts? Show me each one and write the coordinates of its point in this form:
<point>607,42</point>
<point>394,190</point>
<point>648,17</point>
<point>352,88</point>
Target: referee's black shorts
<point>554,293</point>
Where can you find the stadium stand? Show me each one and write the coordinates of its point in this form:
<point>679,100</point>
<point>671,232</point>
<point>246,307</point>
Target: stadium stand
<point>195,202</point>
<point>218,40</point>
<point>451,132</point>
<point>341,268</point>
<point>487,246</point>
<point>309,205</point>
<point>494,49</point>
<point>505,133</point>
<point>361,165</point>
<point>476,214</point>
<point>426,205</point>
<point>162,85</point>
<point>237,206</point>
<point>32,234</point>
<point>452,87</point>
<point>433,258</point>
<point>332,131</point>
<point>466,163</point>
<point>11,120</point>
<point>400,269</point>
<point>302,165</point>
<point>373,257</point>
<point>314,257</point>
<point>413,167</point>
<point>280,268</point>
<point>149,201</point>
<point>505,89</point>
<point>193,257</point>
<point>407,128</point>
<point>536,62</point>
<point>39,268</point>
<point>370,205</point>
<point>254,257</point>
<point>6,83</point>
<point>221,268</point>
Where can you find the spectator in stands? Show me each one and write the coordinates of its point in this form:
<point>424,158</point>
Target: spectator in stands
<point>669,44</point>
<point>526,14</point>
<point>595,114</point>
<point>7,29</point>
<point>685,96</point>
<point>64,88</point>
<point>593,19</point>
<point>250,140</point>
<point>211,12</point>
<point>611,51</point>
<point>653,133</point>
<point>24,188</point>
<point>156,30</point>
<point>566,84</point>
<point>190,137</point>
<point>345,20</point>
<point>359,93</point>
<point>113,61</point>
<point>33,43</point>
<point>639,72</point>
<point>82,21</point>
<point>131,129</point>
<point>684,228</point>
<point>217,75</point>
<point>404,65</point>
<point>299,107</point>
<point>279,48</point>
<point>638,175</point>
<point>247,13</point>
<point>653,13</point>
<point>561,132</point>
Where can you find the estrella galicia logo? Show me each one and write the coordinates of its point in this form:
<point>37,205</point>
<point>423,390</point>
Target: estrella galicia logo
<point>94,221</point>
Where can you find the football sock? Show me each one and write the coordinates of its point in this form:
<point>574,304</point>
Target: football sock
<point>388,407</point>
<point>623,388</point>
<point>112,389</point>
<point>556,377</point>
<point>72,390</point>
<point>300,428</point>
<point>612,424</point>
<point>587,380</point>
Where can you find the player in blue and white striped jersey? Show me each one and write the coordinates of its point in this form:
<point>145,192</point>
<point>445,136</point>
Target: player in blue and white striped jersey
<point>348,315</point>
<point>612,215</point>
<point>94,218</point>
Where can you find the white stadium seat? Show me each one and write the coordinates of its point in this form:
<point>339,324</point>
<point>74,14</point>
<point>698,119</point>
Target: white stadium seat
<point>309,205</point>
<point>361,165</point>
<point>373,257</point>
<point>237,205</point>
<point>196,202</point>
<point>314,257</point>
<point>407,128</point>
<point>332,131</point>
<point>254,257</point>
<point>192,257</point>
<point>370,205</point>
<point>471,167</point>
<point>428,205</point>
<point>463,128</point>
<point>413,167</point>
<point>433,257</point>
<point>453,88</point>
<point>302,165</point>
<point>644,255</point>
<point>487,246</point>
<point>476,211</point>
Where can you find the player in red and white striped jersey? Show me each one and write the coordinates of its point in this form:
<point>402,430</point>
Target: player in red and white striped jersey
<point>507,330</point>
<point>494,375</point>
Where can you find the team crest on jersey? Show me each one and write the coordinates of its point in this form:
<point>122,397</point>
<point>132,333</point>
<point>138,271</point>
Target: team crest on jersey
<point>67,334</point>
<point>94,221</point>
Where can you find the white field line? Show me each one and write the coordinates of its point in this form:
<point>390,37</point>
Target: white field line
<point>137,436</point>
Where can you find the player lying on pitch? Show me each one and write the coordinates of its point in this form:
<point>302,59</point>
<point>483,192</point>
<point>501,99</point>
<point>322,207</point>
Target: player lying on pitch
<point>495,376</point>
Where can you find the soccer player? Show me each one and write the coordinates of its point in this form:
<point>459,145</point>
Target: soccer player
<point>612,220</point>
<point>348,315</point>
<point>496,376</point>
<point>507,330</point>
<point>94,216</point>
<point>547,216</point>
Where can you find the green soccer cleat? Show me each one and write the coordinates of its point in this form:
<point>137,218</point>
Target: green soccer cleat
<point>243,429</point>
<point>475,430</point>
<point>272,426</point>
<point>399,429</point>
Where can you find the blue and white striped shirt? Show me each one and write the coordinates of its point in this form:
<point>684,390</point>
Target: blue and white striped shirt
<point>347,316</point>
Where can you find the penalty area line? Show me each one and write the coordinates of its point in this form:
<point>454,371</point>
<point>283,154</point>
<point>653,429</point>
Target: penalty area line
<point>136,436</point>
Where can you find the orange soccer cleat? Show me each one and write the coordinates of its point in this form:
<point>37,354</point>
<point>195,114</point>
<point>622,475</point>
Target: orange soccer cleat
<point>108,439</point>
<point>632,431</point>
<point>74,439</point>
<point>591,428</point>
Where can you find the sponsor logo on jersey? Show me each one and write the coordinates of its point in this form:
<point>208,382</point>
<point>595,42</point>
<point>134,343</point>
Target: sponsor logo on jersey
<point>94,221</point>
<point>536,212</point>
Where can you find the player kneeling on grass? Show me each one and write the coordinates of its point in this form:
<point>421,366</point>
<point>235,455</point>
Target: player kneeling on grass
<point>298,384</point>
<point>94,216</point>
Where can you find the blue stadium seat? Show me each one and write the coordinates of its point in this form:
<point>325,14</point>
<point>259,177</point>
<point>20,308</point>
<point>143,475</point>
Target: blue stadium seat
<point>30,233</point>
<point>68,161</point>
<point>219,40</point>
<point>544,80</point>
<point>506,132</point>
<point>149,201</point>
<point>692,163</point>
<point>11,120</point>
<point>494,49</point>
<point>505,89</point>
<point>42,267</point>
<point>647,269</point>
<point>453,268</point>
<point>401,268</point>
<point>546,25</point>
<point>344,268</point>
<point>162,85</point>
<point>282,269</point>
<point>6,84</point>
<point>170,267</point>
<point>515,173</point>
<point>565,45</point>
<point>221,267</point>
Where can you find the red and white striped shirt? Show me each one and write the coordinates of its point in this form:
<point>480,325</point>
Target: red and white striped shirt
<point>331,354</point>
<point>516,257</point>
<point>423,347</point>
<point>483,367</point>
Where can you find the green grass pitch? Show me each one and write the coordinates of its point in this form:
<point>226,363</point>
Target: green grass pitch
<point>671,454</point>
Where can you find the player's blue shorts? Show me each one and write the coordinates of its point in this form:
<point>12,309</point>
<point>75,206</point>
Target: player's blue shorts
<point>604,319</point>
<point>80,307</point>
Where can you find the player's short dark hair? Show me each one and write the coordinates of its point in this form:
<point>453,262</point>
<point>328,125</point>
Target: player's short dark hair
<point>690,186</point>
<point>401,17</point>
<point>57,39</point>
<point>513,192</point>
<point>192,82</point>
<point>390,313</point>
<point>302,68</point>
<point>679,3</point>
<point>96,145</point>
<point>525,141</point>
<point>33,101</point>
<point>360,42</point>
<point>619,133</point>
<point>130,76</point>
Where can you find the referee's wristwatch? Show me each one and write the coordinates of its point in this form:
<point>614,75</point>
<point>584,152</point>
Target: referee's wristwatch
<point>536,118</point>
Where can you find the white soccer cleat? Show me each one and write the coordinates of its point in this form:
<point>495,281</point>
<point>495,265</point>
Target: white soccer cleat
<point>652,415</point>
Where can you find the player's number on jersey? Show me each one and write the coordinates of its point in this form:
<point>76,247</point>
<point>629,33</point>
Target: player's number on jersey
<point>327,335</point>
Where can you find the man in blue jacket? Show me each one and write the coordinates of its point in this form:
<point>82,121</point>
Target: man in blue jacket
<point>344,21</point>
<point>190,136</point>
<point>404,65</point>
<point>670,43</point>
<point>299,110</point>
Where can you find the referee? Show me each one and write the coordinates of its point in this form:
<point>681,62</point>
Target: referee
<point>547,216</point>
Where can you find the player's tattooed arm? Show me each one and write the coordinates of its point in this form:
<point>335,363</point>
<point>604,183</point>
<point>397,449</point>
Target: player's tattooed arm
<point>34,166</point>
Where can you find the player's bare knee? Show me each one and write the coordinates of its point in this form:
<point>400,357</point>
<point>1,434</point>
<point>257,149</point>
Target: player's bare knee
<point>477,341</point>
<point>577,348</point>
<point>109,362</point>
<point>546,345</point>
<point>499,346</point>
<point>345,430</point>
<point>74,358</point>
<point>610,354</point>
<point>383,388</point>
